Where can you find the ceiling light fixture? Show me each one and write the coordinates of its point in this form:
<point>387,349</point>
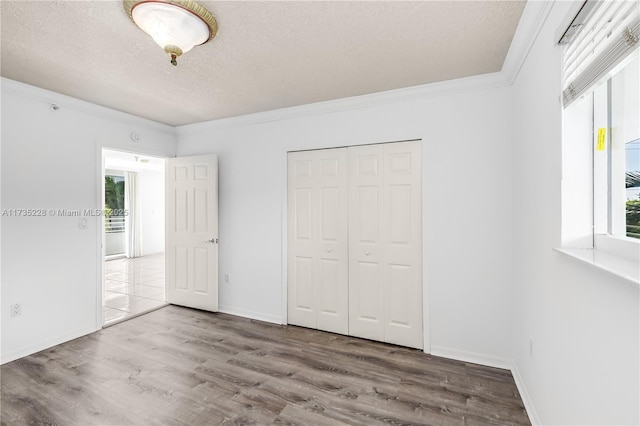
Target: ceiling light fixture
<point>175,25</point>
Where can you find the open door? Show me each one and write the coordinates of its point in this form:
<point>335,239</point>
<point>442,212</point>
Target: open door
<point>192,232</point>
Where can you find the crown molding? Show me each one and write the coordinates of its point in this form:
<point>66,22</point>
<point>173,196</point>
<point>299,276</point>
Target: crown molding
<point>48,97</point>
<point>533,18</point>
<point>531,22</point>
<point>408,94</point>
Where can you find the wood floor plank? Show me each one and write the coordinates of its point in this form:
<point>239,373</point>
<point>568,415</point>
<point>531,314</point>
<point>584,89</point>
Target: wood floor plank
<point>179,366</point>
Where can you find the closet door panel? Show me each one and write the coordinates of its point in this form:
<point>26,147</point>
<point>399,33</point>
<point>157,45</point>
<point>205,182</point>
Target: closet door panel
<point>366,284</point>
<point>402,240</point>
<point>332,249</point>
<point>317,240</point>
<point>301,237</point>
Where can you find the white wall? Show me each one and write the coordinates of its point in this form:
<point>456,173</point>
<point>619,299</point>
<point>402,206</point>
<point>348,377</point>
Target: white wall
<point>56,287</point>
<point>151,187</point>
<point>584,322</point>
<point>467,237</point>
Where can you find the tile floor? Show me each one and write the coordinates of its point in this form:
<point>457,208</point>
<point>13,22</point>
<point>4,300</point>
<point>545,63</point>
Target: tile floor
<point>133,286</point>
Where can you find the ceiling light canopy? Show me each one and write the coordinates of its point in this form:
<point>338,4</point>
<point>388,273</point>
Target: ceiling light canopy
<point>175,25</point>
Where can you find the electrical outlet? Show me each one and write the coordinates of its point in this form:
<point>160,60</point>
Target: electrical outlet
<point>16,310</point>
<point>227,278</point>
<point>530,346</point>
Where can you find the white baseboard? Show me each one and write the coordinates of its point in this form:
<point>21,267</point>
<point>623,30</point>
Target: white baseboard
<point>473,357</point>
<point>249,314</point>
<point>493,361</point>
<point>40,346</point>
<point>524,394</point>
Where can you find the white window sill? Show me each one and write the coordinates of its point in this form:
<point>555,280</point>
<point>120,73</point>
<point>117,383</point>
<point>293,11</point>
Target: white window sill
<point>619,266</point>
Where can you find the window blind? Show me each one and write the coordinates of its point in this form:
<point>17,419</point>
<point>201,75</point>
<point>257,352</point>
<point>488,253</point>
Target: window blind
<point>600,40</point>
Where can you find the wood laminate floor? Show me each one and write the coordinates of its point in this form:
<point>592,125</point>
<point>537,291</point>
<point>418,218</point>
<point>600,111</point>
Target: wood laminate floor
<point>179,366</point>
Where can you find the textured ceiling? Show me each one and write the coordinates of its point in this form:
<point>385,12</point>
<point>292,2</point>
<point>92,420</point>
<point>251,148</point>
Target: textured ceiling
<point>266,55</point>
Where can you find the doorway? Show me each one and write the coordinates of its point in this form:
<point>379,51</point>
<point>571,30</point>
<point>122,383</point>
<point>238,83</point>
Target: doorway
<point>133,191</point>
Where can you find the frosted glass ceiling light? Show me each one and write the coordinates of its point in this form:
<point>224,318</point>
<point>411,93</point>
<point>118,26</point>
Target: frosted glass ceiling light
<point>176,25</point>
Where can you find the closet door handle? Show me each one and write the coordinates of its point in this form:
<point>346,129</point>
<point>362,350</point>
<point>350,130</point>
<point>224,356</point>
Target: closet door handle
<point>367,253</point>
<point>329,250</point>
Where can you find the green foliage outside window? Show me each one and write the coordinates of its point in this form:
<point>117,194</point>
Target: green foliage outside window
<point>632,180</point>
<point>114,192</point>
<point>633,218</point>
<point>113,201</point>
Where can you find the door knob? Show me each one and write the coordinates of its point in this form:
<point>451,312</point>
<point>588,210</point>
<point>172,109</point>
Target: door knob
<point>367,253</point>
<point>329,250</point>
<point>212,241</point>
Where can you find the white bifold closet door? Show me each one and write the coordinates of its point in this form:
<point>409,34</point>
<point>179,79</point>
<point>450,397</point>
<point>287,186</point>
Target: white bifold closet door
<point>385,243</point>
<point>354,241</point>
<point>318,240</point>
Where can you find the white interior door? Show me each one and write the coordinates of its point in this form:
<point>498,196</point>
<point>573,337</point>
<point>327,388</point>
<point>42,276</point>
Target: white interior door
<point>192,232</point>
<point>385,243</point>
<point>318,240</point>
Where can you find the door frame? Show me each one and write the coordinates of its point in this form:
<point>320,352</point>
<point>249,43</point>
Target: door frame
<point>426,330</point>
<point>100,249</point>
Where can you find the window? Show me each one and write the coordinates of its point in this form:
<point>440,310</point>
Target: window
<point>114,220</point>
<point>601,132</point>
<point>616,153</point>
<point>632,185</point>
